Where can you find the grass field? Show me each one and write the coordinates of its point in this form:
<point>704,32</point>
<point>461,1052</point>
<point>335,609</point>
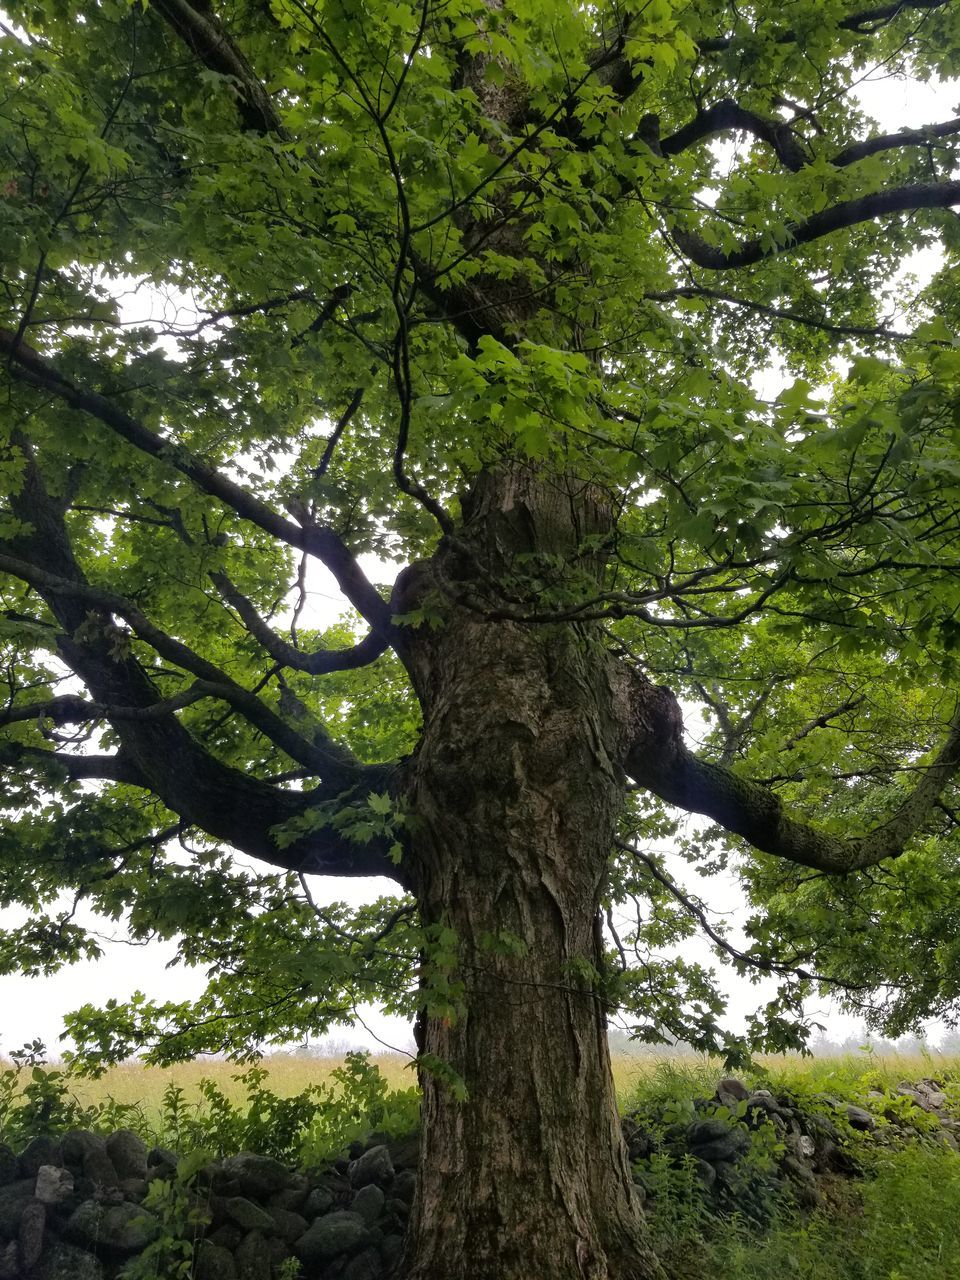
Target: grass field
<point>900,1221</point>
<point>288,1074</point>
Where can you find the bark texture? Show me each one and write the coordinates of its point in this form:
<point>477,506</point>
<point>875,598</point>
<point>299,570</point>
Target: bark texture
<point>516,788</point>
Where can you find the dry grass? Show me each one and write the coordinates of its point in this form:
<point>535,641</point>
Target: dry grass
<point>290,1073</point>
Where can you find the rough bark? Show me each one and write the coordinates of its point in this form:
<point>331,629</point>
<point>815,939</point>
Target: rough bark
<point>516,787</point>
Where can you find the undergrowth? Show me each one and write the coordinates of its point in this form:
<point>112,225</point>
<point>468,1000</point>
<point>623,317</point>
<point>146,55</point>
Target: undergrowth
<point>900,1222</point>
<point>312,1127</point>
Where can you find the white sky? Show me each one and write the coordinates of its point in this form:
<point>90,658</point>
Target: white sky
<point>34,1007</point>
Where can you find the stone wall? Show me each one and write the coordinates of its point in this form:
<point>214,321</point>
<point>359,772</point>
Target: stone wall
<point>73,1209</point>
<point>82,1207</point>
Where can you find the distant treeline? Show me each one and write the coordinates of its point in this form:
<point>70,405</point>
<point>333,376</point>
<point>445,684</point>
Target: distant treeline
<point>947,1045</point>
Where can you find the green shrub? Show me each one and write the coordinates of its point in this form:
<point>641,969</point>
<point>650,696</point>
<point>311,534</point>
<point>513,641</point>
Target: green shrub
<point>899,1224</point>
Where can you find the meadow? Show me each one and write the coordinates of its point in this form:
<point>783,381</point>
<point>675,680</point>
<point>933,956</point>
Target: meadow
<point>899,1221</point>
<point>288,1074</point>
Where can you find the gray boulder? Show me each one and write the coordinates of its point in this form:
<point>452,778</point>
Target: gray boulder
<point>730,1091</point>
<point>128,1153</point>
<point>763,1100</point>
<point>375,1165</point>
<point>391,1251</point>
<point>289,1226</point>
<point>365,1266</point>
<point>404,1152</point>
<point>214,1263</point>
<point>54,1184</point>
<point>279,1251</point>
<point>800,1145</point>
<point>248,1215</point>
<point>716,1140</point>
<point>253,1258</point>
<point>134,1188</point>
<point>116,1228</point>
<point>405,1186</point>
<point>319,1201</point>
<point>14,1198</point>
<point>161,1163</point>
<point>10,1261</point>
<point>31,1234</point>
<point>293,1196</point>
<point>368,1202</point>
<point>85,1152</point>
<point>860,1119</point>
<point>66,1262</point>
<point>227,1237</point>
<point>330,1237</point>
<point>257,1176</point>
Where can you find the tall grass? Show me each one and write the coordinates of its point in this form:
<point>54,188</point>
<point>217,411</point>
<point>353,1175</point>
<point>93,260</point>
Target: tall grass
<point>635,1076</point>
<point>901,1223</point>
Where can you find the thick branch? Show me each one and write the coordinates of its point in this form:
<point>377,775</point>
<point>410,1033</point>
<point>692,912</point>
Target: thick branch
<point>729,115</point>
<point>659,761</point>
<point>922,137</point>
<point>230,806</point>
<point>864,22</point>
<point>202,34</point>
<point>329,760</point>
<point>103,768</point>
<point>29,366</point>
<point>934,195</point>
<point>320,662</point>
<point>71,708</point>
<point>157,752</point>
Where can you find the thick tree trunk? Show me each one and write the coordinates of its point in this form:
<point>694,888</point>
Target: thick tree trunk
<point>516,788</point>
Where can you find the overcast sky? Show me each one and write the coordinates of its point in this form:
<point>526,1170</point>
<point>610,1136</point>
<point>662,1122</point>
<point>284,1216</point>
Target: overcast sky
<point>34,1007</point>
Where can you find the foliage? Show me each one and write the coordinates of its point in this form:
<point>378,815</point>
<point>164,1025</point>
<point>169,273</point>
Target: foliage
<point>364,1104</point>
<point>35,1099</point>
<point>182,1219</point>
<point>898,1224</point>
<point>311,1127</point>
<point>282,299</point>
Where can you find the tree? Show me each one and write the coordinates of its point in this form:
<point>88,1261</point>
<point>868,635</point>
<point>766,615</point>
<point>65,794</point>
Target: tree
<point>481,287</point>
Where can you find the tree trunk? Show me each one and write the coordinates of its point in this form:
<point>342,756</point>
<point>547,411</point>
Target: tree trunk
<point>516,788</point>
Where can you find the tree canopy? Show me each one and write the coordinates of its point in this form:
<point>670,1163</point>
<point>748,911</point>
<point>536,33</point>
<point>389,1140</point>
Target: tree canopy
<point>400,247</point>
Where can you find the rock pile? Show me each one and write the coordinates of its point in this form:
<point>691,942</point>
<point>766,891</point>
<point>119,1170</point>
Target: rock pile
<point>802,1143</point>
<point>72,1209</point>
<point>79,1207</point>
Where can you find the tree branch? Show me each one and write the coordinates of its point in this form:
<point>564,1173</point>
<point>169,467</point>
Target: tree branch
<point>29,366</point>
<point>320,662</point>
<point>104,768</point>
<point>728,115</point>
<point>934,195</point>
<point>659,761</point>
<point>775,313</point>
<point>329,760</point>
<point>921,137</point>
<point>204,36</point>
<point>695,908</point>
<point>864,22</point>
<point>157,752</point>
